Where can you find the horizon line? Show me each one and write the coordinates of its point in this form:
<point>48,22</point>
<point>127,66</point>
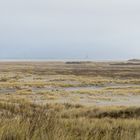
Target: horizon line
<point>63,60</point>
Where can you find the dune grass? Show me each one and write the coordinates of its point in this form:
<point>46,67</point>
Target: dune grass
<point>22,118</point>
<point>25,121</point>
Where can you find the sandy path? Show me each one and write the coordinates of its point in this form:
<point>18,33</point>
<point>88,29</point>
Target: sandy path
<point>106,99</point>
<point>91,100</point>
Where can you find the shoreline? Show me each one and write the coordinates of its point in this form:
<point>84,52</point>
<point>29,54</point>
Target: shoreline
<point>60,60</point>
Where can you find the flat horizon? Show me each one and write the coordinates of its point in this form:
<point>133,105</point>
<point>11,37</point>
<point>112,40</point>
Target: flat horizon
<point>63,60</point>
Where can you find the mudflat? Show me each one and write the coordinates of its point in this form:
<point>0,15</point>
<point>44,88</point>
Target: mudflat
<point>84,83</point>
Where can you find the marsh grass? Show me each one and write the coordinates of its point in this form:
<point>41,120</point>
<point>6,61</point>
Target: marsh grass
<point>22,119</point>
<point>26,121</point>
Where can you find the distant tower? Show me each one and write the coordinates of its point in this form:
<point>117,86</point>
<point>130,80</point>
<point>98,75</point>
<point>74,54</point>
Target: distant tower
<point>87,56</point>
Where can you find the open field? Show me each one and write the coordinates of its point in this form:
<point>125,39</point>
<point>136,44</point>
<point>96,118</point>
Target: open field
<point>70,100</point>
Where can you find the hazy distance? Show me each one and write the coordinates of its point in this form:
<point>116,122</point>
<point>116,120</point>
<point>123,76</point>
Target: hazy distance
<point>75,29</point>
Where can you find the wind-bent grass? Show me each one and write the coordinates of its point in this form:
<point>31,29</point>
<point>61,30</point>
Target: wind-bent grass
<point>25,121</point>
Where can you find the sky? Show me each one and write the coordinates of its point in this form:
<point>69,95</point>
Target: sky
<point>70,29</point>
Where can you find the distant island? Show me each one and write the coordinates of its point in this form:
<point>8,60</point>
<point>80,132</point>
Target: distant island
<point>134,60</point>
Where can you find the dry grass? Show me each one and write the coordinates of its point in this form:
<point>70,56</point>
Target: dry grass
<point>25,121</point>
<point>23,118</point>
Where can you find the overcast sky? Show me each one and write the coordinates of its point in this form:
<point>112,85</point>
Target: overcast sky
<point>62,29</point>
